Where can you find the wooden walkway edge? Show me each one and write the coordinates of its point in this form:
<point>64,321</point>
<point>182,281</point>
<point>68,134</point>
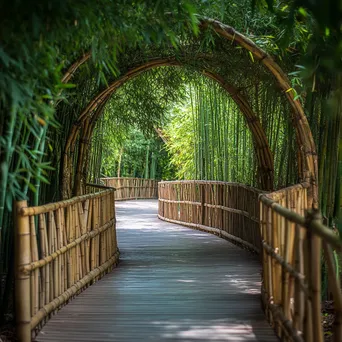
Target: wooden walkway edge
<point>172,284</point>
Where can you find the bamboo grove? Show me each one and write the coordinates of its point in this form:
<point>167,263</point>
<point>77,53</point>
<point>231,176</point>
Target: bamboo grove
<point>207,102</point>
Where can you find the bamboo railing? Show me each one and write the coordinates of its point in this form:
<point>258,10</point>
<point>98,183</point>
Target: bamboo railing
<point>292,243</point>
<point>230,210</point>
<point>289,238</point>
<point>132,188</point>
<point>60,249</point>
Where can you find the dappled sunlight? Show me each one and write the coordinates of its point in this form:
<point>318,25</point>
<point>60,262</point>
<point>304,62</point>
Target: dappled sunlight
<point>208,330</point>
<point>245,286</point>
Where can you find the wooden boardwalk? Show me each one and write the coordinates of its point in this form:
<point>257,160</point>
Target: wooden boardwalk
<point>172,284</point>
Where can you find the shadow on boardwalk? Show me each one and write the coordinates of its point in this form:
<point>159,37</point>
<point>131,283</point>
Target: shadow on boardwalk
<point>172,284</point>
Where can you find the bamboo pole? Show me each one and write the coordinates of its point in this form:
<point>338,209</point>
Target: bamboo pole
<point>45,273</point>
<point>22,280</point>
<point>308,323</point>
<point>315,279</point>
<point>59,245</point>
<point>34,274</point>
<point>65,242</point>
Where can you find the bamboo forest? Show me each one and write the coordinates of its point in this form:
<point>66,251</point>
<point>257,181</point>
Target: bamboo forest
<point>171,170</point>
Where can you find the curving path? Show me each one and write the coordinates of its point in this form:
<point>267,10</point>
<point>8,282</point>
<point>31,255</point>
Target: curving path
<point>172,284</point>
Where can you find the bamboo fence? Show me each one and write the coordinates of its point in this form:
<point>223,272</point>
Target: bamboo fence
<point>61,248</point>
<point>288,237</point>
<point>132,188</point>
<point>292,239</point>
<point>230,210</point>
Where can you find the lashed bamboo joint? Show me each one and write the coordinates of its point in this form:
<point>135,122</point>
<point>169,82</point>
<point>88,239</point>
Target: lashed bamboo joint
<point>288,243</point>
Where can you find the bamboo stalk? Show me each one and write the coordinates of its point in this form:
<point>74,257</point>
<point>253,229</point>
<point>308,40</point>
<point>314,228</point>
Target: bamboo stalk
<point>34,274</point>
<point>315,278</point>
<point>59,234</point>
<point>22,280</point>
<point>45,273</point>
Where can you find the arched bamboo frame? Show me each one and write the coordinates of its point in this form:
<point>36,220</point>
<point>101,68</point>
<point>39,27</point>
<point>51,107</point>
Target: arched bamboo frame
<point>86,134</point>
<point>261,146</point>
<point>307,156</point>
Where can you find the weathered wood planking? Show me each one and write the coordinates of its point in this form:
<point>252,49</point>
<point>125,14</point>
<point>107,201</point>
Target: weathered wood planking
<point>172,284</point>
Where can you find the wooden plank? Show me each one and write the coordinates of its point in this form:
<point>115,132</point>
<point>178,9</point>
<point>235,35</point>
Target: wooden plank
<point>172,284</point>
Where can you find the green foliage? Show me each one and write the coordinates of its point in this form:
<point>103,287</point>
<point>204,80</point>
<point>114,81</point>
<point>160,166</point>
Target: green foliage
<point>132,155</point>
<point>126,131</point>
<point>180,135</point>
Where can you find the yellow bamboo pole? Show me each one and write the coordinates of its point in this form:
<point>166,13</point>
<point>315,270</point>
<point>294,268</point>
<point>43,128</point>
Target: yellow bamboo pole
<point>45,273</point>
<point>35,273</point>
<point>89,242</point>
<point>22,280</point>
<point>58,246</point>
<point>315,280</point>
<point>82,224</point>
<point>65,242</point>
<point>79,270</point>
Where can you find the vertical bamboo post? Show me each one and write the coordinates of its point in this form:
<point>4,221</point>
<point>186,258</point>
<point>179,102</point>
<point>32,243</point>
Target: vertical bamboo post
<point>60,245</point>
<point>263,254</point>
<point>315,280</point>
<point>202,203</point>
<point>276,268</point>
<point>268,231</point>
<point>35,273</point>
<point>220,202</point>
<point>45,287</point>
<point>22,279</point>
<point>114,226</point>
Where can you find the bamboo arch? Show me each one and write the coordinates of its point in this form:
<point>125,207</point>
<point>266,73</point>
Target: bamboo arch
<point>307,156</point>
<point>261,146</point>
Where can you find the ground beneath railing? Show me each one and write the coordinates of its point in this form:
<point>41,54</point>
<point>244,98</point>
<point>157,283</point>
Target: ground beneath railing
<point>172,284</point>
<point>328,318</point>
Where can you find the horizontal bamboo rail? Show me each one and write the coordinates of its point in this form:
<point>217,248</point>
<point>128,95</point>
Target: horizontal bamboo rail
<point>61,248</point>
<point>94,186</point>
<point>229,210</point>
<point>132,188</point>
<point>292,240</point>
